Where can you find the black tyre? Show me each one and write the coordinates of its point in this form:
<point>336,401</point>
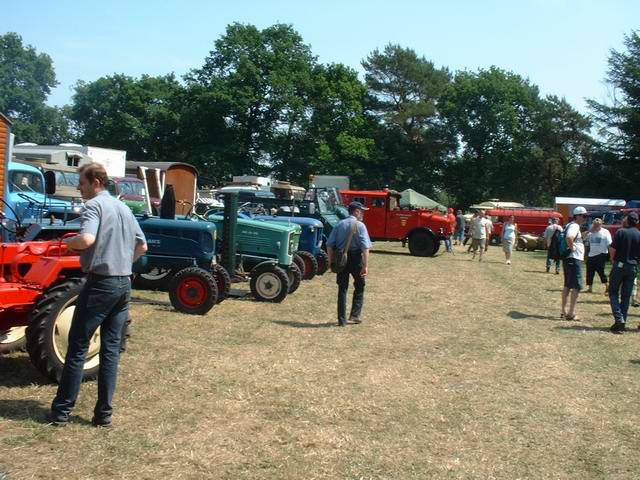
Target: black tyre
<point>421,244</point>
<point>156,279</point>
<point>310,265</point>
<point>193,290</point>
<point>13,339</point>
<point>223,281</point>
<point>436,247</point>
<point>323,262</point>
<point>294,275</point>
<point>48,331</point>
<point>299,262</point>
<point>269,283</point>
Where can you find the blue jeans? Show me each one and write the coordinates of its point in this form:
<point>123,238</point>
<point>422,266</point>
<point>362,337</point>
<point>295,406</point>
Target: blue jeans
<point>459,235</point>
<point>104,303</point>
<point>620,288</point>
<point>550,260</point>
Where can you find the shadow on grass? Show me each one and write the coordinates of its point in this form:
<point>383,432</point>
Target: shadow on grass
<point>528,316</point>
<point>23,410</point>
<point>584,328</point>
<point>19,372</point>
<point>388,252</point>
<point>305,325</point>
<point>538,271</point>
<point>146,301</point>
<point>595,302</point>
<point>635,361</point>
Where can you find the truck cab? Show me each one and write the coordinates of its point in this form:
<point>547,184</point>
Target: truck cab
<point>386,220</point>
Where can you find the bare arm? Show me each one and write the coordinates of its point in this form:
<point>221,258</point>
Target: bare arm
<point>141,249</point>
<point>612,254</point>
<point>365,263</point>
<point>80,242</point>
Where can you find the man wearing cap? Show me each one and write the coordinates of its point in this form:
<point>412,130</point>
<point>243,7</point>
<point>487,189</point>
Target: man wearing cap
<point>624,253</point>
<point>353,232</point>
<point>572,264</point>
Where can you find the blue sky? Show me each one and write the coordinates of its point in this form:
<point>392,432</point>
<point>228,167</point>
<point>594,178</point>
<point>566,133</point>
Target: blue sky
<point>561,46</point>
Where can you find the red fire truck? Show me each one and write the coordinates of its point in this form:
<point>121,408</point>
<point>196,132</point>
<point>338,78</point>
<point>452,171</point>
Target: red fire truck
<point>387,221</point>
<point>529,220</point>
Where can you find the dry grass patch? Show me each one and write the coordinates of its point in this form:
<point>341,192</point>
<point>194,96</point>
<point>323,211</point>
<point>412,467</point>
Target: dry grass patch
<point>460,370</point>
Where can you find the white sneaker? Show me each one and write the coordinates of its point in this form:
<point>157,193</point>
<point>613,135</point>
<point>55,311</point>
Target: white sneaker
<point>508,262</point>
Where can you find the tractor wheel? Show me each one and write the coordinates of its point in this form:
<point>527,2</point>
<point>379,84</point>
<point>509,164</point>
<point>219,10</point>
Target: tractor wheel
<point>294,276</point>
<point>193,290</point>
<point>310,265</point>
<point>48,331</point>
<point>436,247</point>
<point>299,262</point>
<point>12,340</point>
<point>421,244</point>
<point>155,279</point>
<point>269,283</point>
<point>223,280</point>
<point>323,262</point>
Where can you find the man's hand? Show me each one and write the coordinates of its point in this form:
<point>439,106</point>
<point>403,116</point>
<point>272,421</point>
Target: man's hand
<point>364,271</point>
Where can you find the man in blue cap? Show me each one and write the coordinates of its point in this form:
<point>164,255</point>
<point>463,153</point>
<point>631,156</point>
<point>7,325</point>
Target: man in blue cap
<point>351,235</point>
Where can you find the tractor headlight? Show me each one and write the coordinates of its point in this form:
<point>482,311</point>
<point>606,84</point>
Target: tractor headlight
<point>312,229</point>
<point>290,247</point>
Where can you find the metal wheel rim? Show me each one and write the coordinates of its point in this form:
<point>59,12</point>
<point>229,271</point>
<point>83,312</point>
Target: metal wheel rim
<point>13,334</point>
<point>61,337</point>
<point>268,285</point>
<point>192,292</point>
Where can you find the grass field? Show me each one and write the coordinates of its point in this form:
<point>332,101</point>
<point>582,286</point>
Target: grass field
<point>460,370</point>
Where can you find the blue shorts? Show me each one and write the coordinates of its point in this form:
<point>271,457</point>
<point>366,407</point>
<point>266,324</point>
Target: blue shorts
<point>572,269</point>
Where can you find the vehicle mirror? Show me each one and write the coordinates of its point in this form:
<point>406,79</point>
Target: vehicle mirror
<point>49,182</point>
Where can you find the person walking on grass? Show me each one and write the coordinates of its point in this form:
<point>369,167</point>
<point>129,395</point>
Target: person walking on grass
<point>572,264</point>
<point>624,253</point>
<point>599,240</point>
<point>469,234</point>
<point>509,236</point>
<point>552,241</point>
<point>351,235</point>
<point>460,225</point>
<point>110,240</point>
<point>479,235</point>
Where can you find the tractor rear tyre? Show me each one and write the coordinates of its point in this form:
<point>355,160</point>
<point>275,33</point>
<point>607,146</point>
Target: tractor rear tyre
<point>269,283</point>
<point>299,262</point>
<point>310,264</point>
<point>294,276</point>
<point>12,340</point>
<point>223,280</point>
<point>323,262</point>
<point>48,331</point>
<point>193,290</point>
<point>155,279</point>
<point>421,244</point>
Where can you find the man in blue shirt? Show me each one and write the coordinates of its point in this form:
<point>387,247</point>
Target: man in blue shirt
<point>357,260</point>
<point>624,253</point>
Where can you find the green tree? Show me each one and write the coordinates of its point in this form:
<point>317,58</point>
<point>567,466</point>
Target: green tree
<point>258,80</point>
<point>26,80</point>
<point>140,116</point>
<point>620,118</point>
<point>413,142</point>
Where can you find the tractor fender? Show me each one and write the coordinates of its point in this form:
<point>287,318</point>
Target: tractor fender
<point>265,262</point>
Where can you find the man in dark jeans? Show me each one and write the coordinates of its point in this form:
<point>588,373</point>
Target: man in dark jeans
<point>351,235</point>
<point>624,252</point>
<point>110,240</point>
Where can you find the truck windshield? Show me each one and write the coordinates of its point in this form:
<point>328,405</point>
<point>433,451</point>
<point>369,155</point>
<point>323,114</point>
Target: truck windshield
<point>612,218</point>
<point>67,179</point>
<point>131,188</point>
<point>328,200</point>
<point>20,181</point>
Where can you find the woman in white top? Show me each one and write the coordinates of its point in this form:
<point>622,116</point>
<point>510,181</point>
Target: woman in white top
<point>509,235</point>
<point>599,240</point>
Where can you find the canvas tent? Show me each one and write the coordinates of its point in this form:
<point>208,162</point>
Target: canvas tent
<point>414,199</point>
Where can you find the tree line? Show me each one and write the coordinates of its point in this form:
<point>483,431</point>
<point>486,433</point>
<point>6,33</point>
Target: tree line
<point>262,103</point>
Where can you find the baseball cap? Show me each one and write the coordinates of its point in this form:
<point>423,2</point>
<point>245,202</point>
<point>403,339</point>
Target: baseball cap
<point>579,211</point>
<point>356,206</point>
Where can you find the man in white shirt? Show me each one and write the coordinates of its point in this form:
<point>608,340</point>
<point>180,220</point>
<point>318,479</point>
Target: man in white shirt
<point>572,264</point>
<point>599,240</point>
<point>479,234</point>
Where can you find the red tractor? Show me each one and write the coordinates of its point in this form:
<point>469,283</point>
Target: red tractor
<point>39,285</point>
<point>387,221</point>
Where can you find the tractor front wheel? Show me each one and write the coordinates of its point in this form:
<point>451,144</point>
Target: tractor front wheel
<point>193,290</point>
<point>12,340</point>
<point>155,279</point>
<point>323,262</point>
<point>48,331</point>
<point>310,265</point>
<point>223,281</point>
<point>299,262</point>
<point>269,283</point>
<point>421,244</point>
<point>294,276</point>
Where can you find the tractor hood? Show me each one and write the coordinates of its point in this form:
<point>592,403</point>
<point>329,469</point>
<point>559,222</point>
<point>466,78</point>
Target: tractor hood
<point>302,221</point>
<point>261,225</point>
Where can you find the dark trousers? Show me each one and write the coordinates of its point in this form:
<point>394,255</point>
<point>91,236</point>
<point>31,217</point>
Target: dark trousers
<point>595,265</point>
<point>104,304</point>
<point>620,288</point>
<point>353,269</point>
<point>550,260</point>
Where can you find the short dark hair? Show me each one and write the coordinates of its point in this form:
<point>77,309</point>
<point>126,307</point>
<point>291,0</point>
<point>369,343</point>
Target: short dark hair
<point>632,219</point>
<point>94,171</point>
